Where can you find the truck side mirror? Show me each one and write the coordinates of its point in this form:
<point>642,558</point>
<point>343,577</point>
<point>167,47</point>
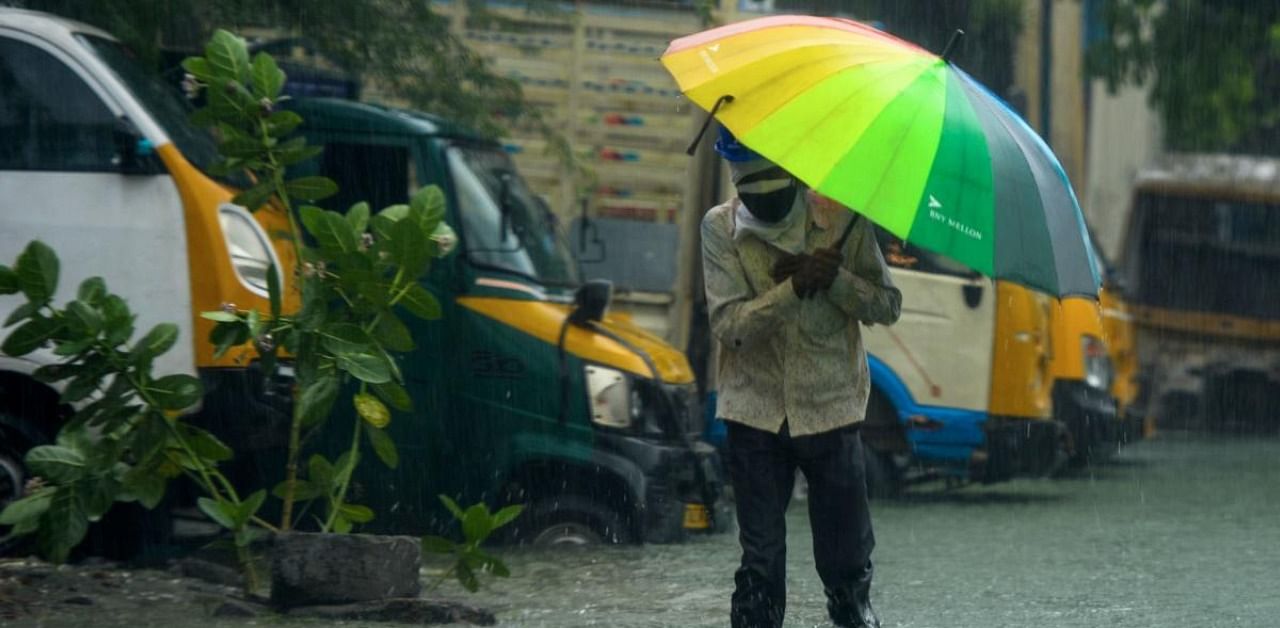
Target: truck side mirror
<point>589,237</point>
<point>591,301</point>
<point>504,205</point>
<point>135,155</point>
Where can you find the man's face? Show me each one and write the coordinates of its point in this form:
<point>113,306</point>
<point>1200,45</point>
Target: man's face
<point>767,191</point>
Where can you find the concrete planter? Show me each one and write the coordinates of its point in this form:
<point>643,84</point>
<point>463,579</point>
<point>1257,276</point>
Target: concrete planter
<point>310,569</point>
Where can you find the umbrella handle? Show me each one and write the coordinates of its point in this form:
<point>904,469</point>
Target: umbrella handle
<point>951,45</point>
<point>693,148</point>
<point>844,237</point>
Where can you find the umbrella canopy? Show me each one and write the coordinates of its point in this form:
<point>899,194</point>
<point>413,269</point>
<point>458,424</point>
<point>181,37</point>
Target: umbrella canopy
<point>898,134</point>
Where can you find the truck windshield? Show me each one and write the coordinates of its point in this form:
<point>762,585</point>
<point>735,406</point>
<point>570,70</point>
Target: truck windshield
<point>1209,254</point>
<point>504,226</point>
<point>162,101</point>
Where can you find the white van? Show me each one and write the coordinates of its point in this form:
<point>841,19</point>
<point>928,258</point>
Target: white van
<point>98,161</point>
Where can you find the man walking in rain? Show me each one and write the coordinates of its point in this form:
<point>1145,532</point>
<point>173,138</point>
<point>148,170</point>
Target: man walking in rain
<point>793,380</point>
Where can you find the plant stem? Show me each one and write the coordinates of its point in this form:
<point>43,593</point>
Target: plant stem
<point>346,482</point>
<point>295,425</point>
<point>444,576</point>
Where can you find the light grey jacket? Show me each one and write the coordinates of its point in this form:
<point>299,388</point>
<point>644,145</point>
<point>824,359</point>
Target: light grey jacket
<point>784,358</point>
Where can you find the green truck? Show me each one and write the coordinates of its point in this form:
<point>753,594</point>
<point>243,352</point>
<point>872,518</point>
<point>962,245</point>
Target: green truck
<point>526,390</point>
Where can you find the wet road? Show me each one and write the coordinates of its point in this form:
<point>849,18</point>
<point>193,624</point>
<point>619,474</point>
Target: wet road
<point>1177,531</point>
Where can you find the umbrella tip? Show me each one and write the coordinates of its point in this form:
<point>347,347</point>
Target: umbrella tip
<point>952,45</point>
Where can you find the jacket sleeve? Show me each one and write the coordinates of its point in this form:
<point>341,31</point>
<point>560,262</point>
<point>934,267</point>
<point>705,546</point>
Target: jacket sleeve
<point>863,289</point>
<point>738,316</point>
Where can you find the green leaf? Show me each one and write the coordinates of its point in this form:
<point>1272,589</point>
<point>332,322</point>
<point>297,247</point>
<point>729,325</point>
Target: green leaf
<point>329,229</point>
<point>311,188</point>
<point>51,373</point>
<point>160,339</point>
<point>392,333</point>
<point>75,347</point>
<point>221,316</point>
<point>37,271</point>
<point>358,217</point>
<point>467,577</point>
<point>410,248</point>
<point>346,338</point>
<point>344,467</point>
<point>255,197</point>
<point>30,336</point>
<point>246,148</point>
<point>476,523</point>
<point>452,506</point>
<point>227,56</point>
<point>437,545</point>
<point>430,202</point>
<point>268,78</point>
<point>55,463</point>
<point>219,512</point>
<point>176,392</point>
<point>146,487</point>
<point>297,154</point>
<point>28,507</point>
<point>356,513</point>
<point>81,387</point>
<point>118,320</point>
<point>372,410</point>
<point>64,525</point>
<point>250,506</point>
<point>383,447</point>
<point>395,395</point>
<point>507,515</point>
<point>226,335</point>
<point>83,319</point>
<point>99,497</point>
<point>302,491</point>
<point>489,563</point>
<point>316,400</point>
<point>421,303</point>
<point>92,290</point>
<point>365,367</point>
<point>320,472</point>
<point>282,123</point>
<point>22,312</point>
<point>204,444</point>
<point>341,525</point>
<point>198,67</point>
<point>382,226</point>
<point>8,280</point>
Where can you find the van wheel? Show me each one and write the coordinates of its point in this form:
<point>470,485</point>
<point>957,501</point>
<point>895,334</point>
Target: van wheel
<point>13,478</point>
<point>572,521</point>
<point>884,478</point>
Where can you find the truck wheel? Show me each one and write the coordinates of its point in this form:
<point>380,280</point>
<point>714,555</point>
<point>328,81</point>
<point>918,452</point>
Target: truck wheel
<point>884,478</point>
<point>572,521</point>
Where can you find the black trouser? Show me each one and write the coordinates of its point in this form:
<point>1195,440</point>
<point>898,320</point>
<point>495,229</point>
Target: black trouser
<point>762,466</point>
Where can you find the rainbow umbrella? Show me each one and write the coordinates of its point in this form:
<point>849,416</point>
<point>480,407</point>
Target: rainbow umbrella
<point>898,134</point>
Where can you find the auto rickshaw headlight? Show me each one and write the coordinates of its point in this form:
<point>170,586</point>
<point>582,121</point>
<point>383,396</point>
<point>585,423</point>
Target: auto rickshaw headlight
<point>249,248</point>
<point>1097,362</point>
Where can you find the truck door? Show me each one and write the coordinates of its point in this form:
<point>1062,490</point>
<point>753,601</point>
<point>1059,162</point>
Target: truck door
<point>60,182</point>
<point>941,347</point>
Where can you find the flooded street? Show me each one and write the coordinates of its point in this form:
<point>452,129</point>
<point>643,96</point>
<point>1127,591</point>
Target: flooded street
<point>1178,531</point>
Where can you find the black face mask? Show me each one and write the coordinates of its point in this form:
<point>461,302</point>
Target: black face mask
<point>771,206</point>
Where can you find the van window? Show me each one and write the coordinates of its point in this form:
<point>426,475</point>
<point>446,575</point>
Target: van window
<point>163,102</point>
<point>372,173</point>
<point>899,253</point>
<point>49,118</point>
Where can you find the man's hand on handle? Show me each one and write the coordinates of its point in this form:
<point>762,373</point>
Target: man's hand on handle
<point>810,274</point>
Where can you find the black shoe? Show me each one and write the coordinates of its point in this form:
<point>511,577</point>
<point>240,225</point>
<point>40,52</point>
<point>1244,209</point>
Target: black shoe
<point>852,608</point>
